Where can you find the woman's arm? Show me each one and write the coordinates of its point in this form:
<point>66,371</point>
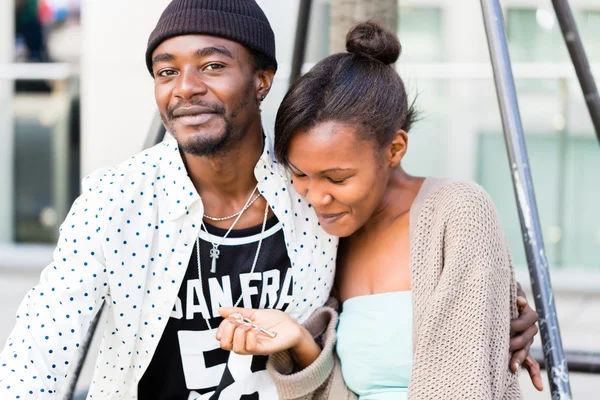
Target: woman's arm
<point>306,351</point>
<point>463,337</point>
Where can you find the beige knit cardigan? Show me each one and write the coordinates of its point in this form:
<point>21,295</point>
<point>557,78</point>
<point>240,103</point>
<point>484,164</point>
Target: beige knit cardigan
<point>464,297</point>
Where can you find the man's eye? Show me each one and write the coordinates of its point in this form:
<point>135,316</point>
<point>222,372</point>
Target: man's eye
<point>213,67</point>
<point>166,72</point>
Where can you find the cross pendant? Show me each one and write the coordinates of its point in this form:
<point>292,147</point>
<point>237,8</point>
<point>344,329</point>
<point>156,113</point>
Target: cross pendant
<point>214,254</point>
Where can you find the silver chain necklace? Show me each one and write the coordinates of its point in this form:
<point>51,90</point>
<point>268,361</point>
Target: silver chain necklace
<point>214,252</point>
<point>232,215</point>
<point>236,214</point>
<point>237,303</point>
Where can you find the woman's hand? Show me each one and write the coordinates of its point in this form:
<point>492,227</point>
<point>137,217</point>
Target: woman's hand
<point>243,339</point>
<point>523,331</point>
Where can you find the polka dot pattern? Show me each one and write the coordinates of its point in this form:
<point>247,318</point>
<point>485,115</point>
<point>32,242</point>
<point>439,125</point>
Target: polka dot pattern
<point>126,242</point>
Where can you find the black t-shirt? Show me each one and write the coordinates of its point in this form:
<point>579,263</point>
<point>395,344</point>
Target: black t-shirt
<point>188,362</point>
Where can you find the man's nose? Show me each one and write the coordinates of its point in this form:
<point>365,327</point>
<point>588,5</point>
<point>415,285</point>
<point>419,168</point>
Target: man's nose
<point>190,84</point>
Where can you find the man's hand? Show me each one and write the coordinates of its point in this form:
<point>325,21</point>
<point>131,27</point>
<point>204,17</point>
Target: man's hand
<point>523,330</point>
<point>243,339</point>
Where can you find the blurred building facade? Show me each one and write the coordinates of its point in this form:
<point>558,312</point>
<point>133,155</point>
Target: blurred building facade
<point>85,101</point>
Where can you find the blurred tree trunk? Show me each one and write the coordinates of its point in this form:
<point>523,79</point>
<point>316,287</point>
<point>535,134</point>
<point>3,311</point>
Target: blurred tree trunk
<point>345,13</point>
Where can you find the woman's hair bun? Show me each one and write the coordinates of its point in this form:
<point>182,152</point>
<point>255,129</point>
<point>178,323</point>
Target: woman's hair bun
<point>370,39</point>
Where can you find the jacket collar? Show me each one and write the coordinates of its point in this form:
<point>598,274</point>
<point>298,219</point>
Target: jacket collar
<point>179,191</point>
<point>173,181</point>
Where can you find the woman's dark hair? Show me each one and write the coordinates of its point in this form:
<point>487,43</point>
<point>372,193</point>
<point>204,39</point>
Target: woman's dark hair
<point>358,87</point>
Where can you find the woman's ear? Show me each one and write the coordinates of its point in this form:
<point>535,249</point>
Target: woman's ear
<point>263,82</point>
<point>397,149</point>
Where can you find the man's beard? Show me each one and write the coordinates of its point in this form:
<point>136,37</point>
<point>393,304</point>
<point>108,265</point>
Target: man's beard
<point>201,144</point>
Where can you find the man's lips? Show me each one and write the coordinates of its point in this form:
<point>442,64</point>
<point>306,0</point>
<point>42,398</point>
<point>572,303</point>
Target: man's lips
<point>194,120</point>
<point>194,115</point>
<point>193,110</point>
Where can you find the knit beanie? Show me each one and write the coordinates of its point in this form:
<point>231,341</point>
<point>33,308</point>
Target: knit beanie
<point>242,21</point>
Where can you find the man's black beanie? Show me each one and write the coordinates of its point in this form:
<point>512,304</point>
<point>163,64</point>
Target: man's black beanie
<point>242,21</point>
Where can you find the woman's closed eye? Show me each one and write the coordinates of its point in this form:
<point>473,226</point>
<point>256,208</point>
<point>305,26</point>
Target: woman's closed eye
<point>299,175</point>
<point>337,181</point>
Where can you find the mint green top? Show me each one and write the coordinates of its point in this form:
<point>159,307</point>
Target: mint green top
<point>375,345</point>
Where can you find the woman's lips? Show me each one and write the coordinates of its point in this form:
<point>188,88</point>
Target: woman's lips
<point>329,218</point>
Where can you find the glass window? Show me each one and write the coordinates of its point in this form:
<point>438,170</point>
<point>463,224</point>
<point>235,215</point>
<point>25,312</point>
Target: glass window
<point>566,191</point>
<point>420,32</point>
<point>534,35</point>
<point>46,154</point>
<point>44,119</point>
<point>561,169</point>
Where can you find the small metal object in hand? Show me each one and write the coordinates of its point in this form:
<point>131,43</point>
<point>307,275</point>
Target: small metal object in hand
<point>240,319</point>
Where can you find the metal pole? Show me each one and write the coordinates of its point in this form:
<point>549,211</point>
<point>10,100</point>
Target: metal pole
<point>586,362</point>
<point>300,43</point>
<point>156,133</point>
<point>579,59</point>
<point>530,225</point>
<point>72,379</point>
<point>561,195</point>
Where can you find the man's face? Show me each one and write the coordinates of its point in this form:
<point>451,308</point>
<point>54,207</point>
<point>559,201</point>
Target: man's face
<point>207,91</point>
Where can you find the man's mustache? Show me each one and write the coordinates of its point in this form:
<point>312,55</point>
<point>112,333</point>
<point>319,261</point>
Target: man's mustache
<point>215,107</point>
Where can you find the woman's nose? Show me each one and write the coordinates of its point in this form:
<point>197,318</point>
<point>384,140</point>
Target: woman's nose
<point>317,196</point>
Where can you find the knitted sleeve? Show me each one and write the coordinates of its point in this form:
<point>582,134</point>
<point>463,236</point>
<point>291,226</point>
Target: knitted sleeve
<point>461,348</point>
<point>322,380</point>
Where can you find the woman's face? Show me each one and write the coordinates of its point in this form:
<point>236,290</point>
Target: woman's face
<point>342,176</point>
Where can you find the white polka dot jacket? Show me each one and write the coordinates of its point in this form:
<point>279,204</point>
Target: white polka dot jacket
<point>127,242</point>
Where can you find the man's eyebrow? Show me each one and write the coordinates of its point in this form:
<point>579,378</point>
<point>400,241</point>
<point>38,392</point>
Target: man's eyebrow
<point>209,51</point>
<point>163,57</point>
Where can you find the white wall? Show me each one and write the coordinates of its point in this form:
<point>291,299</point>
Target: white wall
<point>116,89</point>
<point>6,123</point>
